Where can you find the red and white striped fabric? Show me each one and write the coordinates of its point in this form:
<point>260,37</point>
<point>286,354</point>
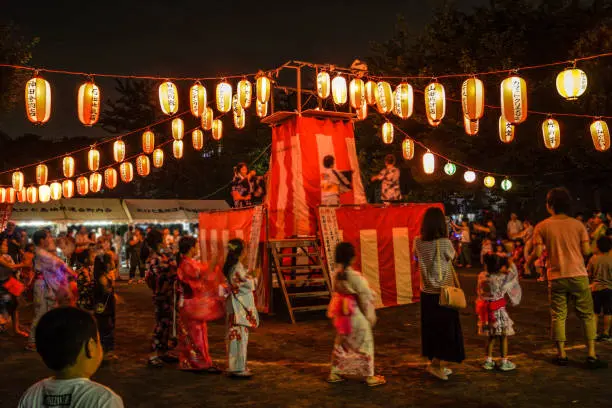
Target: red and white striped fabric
<point>298,148</point>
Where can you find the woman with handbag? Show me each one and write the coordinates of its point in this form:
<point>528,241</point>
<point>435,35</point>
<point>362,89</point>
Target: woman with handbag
<point>441,336</point>
<point>10,290</point>
<point>200,302</point>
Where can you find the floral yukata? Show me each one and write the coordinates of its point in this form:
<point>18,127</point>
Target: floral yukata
<point>493,319</point>
<point>390,188</point>
<point>160,277</point>
<point>353,353</point>
<point>241,316</point>
<point>242,186</point>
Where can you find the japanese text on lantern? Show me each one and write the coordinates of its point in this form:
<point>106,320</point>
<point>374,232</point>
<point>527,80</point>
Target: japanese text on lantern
<point>95,104</point>
<point>516,97</point>
<point>601,137</point>
<point>32,98</point>
<point>432,98</point>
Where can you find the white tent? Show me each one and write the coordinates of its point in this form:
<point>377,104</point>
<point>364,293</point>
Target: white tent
<point>160,211</point>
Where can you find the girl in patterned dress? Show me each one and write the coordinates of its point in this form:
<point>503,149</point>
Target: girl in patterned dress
<point>500,279</point>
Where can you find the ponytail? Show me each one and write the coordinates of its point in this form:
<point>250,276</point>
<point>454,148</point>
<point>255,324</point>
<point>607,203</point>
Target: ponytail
<point>235,248</point>
<point>345,253</point>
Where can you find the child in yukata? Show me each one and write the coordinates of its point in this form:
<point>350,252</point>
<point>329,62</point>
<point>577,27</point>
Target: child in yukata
<point>333,183</point>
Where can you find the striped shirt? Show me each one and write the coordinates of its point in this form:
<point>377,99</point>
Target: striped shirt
<point>435,263</point>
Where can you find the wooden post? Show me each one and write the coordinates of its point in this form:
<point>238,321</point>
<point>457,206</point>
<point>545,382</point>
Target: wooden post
<point>299,89</point>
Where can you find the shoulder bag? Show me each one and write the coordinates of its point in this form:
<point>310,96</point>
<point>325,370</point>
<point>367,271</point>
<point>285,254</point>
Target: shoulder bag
<point>450,296</point>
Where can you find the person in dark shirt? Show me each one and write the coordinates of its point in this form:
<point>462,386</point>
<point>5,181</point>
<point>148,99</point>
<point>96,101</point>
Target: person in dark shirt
<point>14,241</point>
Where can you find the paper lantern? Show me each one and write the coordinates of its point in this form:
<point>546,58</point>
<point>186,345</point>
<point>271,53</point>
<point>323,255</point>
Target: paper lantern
<point>506,130</point>
<point>362,111</point>
<point>197,139</point>
<point>11,195</point>
<point>110,178</point>
<point>551,133</point>
<point>489,181</point>
<point>148,142</point>
<point>68,188</point>
<point>22,196</point>
<point>32,194</point>
<point>262,109</point>
<point>44,193</point>
<point>469,176</point>
<point>471,126</point>
<point>197,99</point>
<point>237,109</point>
<point>600,135</point>
<point>240,120</point>
<point>408,149</point>
<point>126,172</point>
<point>18,180</point>
<point>2,195</point>
<point>143,165</point>
<point>224,97</point>
<point>356,92</point>
<point>387,133</point>
<point>42,172</point>
<point>56,190</point>
<point>384,97</point>
<point>217,129</point>
<point>88,102</point>
<point>207,118</point>
<point>93,159</point>
<point>472,99</point>
<point>264,87</point>
<point>514,99</point>
<point>571,83</point>
<point>158,158</point>
<point>177,149</point>
<point>435,103</point>
<point>95,182</point>
<point>339,93</point>
<point>38,100</point>
<point>450,168</point>
<point>244,90</point>
<point>506,185</point>
<point>323,84</point>
<point>68,166</point>
<point>119,150</point>
<point>370,92</point>
<point>178,129</point>
<point>168,98</point>
<point>429,163</point>
<point>404,101</point>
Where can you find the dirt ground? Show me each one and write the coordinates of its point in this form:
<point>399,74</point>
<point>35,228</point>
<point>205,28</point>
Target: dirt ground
<point>291,363</point>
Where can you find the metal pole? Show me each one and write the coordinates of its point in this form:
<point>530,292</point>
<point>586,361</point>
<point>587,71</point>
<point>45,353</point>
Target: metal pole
<point>299,90</point>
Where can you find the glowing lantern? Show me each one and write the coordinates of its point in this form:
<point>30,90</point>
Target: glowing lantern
<point>18,180</point>
<point>362,112</point>
<point>240,121</point>
<point>11,195</point>
<point>370,92</point>
<point>408,149</point>
<point>143,165</point>
<point>93,159</point>
<point>2,195</point>
<point>197,139</point>
<point>95,182</point>
<point>32,194</point>
<point>178,129</point>
<point>56,190</point>
<point>158,158</point>
<point>88,101</point>
<point>68,188</point>
<point>237,109</point>
<point>435,103</point>
<point>22,196</point>
<point>551,133</point>
<point>506,185</point>
<point>471,126</point>
<point>323,82</point>
<point>42,172</point>
<point>489,181</point>
<point>44,193</point>
<point>38,100</point>
<point>262,109</point>
<point>339,90</point>
<point>217,129</point>
<point>110,178</point>
<point>197,99</point>
<point>429,163</point>
<point>244,90</point>
<point>571,83</point>
<point>387,133</point>
<point>469,176</point>
<point>601,135</point>
<point>224,97</point>
<point>384,97</point>
<point>207,118</point>
<point>126,172</point>
<point>356,92</point>
<point>404,101</point>
<point>68,166</point>
<point>119,151</point>
<point>148,142</point>
<point>506,130</point>
<point>263,89</point>
<point>514,99</point>
<point>450,169</point>
<point>472,99</point>
<point>168,98</point>
<point>177,149</point>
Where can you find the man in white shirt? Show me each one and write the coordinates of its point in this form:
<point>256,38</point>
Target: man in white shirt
<point>68,341</point>
<point>515,226</point>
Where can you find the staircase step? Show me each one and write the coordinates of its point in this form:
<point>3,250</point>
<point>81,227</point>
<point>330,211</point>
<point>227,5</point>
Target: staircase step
<point>298,267</point>
<point>309,308</point>
<point>309,254</point>
<point>305,282</point>
<point>309,294</point>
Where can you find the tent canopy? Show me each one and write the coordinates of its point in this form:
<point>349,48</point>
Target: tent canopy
<point>145,211</point>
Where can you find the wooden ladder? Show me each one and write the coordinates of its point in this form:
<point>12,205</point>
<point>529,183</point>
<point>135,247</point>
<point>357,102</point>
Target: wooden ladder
<point>302,274</point>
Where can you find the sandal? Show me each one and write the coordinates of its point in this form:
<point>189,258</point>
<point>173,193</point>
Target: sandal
<point>437,373</point>
<point>375,381</point>
<point>155,362</point>
<point>335,378</point>
<point>560,361</point>
<point>241,374</point>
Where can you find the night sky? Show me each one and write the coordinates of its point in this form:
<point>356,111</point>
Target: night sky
<point>192,38</point>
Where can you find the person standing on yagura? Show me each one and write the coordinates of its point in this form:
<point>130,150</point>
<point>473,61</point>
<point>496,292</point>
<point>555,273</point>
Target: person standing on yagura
<point>333,183</point>
<point>389,178</point>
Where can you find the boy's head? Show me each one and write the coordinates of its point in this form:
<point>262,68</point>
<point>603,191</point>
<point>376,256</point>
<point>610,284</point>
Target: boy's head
<point>67,338</point>
<point>329,161</point>
<point>604,245</point>
<point>495,264</point>
<point>558,201</point>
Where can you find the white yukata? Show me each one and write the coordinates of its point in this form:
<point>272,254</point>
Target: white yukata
<point>493,288</point>
<point>333,184</point>
<point>241,315</point>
